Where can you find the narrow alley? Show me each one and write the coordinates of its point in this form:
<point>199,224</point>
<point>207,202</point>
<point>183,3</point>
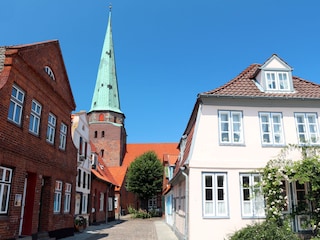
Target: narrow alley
<point>128,228</point>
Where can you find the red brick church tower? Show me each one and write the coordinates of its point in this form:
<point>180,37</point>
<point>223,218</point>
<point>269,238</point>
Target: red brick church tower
<point>106,120</point>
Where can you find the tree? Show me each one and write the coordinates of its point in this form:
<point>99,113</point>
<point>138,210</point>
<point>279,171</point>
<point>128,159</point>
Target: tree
<point>145,176</point>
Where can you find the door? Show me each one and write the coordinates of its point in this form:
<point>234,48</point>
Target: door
<point>29,203</point>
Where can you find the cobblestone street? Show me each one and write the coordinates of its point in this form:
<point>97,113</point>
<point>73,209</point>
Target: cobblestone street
<point>128,229</point>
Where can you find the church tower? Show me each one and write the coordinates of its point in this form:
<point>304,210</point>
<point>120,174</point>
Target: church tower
<point>106,120</point>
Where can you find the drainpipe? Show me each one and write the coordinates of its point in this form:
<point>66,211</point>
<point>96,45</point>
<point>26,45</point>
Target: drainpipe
<point>187,202</point>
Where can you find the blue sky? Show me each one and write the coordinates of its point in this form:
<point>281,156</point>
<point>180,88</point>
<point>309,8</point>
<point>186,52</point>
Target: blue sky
<point>167,51</point>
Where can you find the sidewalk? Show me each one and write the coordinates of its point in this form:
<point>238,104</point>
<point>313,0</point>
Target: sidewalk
<point>128,228</point>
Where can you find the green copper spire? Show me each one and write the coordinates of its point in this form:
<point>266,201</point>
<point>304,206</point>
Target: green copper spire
<point>106,95</point>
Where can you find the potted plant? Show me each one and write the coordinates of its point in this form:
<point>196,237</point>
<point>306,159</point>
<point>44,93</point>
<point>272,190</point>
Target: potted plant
<point>80,223</point>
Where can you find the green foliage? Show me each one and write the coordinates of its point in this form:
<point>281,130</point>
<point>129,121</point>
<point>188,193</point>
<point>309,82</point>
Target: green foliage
<point>139,213</point>
<point>304,171</point>
<point>267,230</point>
<point>145,176</point>
<point>273,175</point>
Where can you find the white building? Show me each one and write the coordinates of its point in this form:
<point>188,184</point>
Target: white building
<point>80,137</point>
<point>233,131</point>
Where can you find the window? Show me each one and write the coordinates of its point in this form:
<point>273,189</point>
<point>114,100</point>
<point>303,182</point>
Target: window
<point>110,203</point>
<point>49,71</point>
<point>102,134</point>
<point>35,116</point>
<point>80,146</point>
<point>230,123</point>
<point>95,134</point>
<point>277,81</point>
<point>67,197</point>
<point>215,199</point>
<point>252,200</point>
<point>51,128</point>
<point>101,201</point>
<point>79,177</point>
<point>88,181</point>
<point>16,105</point>
<point>307,128</point>
<point>84,179</point>
<point>57,197</point>
<point>271,128</point>
<point>63,136</point>
<point>84,203</point>
<point>152,203</point>
<point>5,186</point>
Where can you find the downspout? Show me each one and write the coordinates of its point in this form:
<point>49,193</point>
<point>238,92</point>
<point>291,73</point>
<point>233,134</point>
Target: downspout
<point>187,203</point>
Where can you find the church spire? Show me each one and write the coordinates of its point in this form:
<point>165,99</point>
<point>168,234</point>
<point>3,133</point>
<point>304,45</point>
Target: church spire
<point>106,95</point>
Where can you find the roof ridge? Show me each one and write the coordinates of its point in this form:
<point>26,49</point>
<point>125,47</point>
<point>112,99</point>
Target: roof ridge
<point>238,77</point>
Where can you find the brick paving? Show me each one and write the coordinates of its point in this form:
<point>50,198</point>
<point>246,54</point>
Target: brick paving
<point>128,229</point>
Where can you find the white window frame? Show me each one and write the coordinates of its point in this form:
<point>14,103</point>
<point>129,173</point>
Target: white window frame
<point>277,80</point>
<point>51,128</point>
<point>67,197</point>
<point>57,197</point>
<point>50,73</point>
<point>231,128</point>
<point>212,204</point>
<point>16,105</point>
<point>252,199</point>
<point>5,188</point>
<point>101,201</point>
<point>35,116</point>
<point>63,136</point>
<point>110,204</point>
<point>307,131</point>
<point>84,203</point>
<point>271,128</point>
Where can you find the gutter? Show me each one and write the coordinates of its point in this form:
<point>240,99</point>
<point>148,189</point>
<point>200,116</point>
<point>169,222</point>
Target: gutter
<point>186,235</point>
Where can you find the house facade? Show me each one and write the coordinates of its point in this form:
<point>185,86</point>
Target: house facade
<point>38,158</point>
<point>80,137</point>
<point>102,202</point>
<point>233,132</point>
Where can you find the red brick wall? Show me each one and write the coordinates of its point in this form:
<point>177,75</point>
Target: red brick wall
<point>27,153</point>
<point>97,187</point>
<point>114,140</point>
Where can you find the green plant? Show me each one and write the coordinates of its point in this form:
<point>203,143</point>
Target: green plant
<point>139,213</point>
<point>80,221</point>
<point>267,230</point>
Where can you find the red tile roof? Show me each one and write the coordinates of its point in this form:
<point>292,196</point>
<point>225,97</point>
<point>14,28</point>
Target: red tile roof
<point>101,171</point>
<point>134,151</point>
<point>244,85</point>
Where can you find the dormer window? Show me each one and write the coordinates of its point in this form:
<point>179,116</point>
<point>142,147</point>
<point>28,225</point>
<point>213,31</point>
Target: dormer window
<point>277,81</point>
<point>49,71</point>
<point>275,76</point>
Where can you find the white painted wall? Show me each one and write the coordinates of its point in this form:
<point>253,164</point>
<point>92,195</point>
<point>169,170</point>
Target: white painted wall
<point>80,127</point>
<point>207,155</point>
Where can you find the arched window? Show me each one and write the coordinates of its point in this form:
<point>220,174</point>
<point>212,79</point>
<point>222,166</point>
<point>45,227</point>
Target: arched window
<point>50,73</point>
<point>95,134</point>
<point>102,134</point>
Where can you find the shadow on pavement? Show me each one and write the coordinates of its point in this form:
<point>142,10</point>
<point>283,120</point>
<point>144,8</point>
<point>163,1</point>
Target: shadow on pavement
<point>96,231</point>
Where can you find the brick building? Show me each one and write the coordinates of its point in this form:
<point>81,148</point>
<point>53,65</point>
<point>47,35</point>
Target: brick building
<point>37,157</point>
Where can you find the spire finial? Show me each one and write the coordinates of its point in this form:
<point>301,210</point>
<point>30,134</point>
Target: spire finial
<point>110,7</point>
